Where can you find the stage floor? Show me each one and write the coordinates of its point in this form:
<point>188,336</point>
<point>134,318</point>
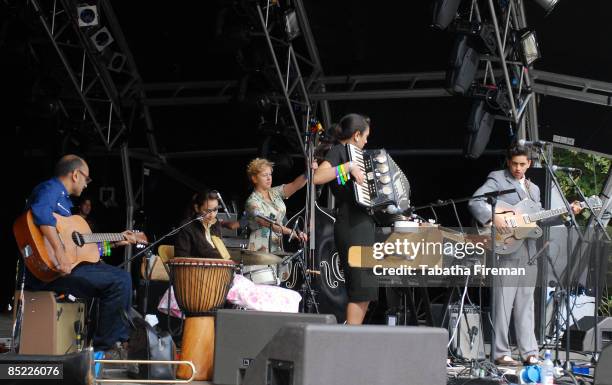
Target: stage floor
<point>6,325</point>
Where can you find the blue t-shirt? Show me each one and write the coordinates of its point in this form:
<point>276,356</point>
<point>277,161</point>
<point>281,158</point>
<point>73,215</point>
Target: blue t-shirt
<point>47,198</point>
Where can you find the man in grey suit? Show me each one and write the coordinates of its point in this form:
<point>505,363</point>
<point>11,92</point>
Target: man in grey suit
<point>512,291</point>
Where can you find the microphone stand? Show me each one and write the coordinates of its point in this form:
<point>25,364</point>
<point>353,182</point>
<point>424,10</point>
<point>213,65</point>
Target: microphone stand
<point>491,198</point>
<point>147,250</point>
<point>571,224</point>
<point>598,249</point>
<point>309,293</point>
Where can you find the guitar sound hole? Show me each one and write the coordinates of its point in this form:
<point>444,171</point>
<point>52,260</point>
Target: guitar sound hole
<point>78,239</point>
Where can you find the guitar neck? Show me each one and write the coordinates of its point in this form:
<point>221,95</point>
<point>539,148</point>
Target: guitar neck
<point>101,237</point>
<point>547,214</point>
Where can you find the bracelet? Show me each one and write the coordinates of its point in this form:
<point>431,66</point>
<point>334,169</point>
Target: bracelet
<point>347,174</point>
<point>341,174</point>
<point>338,176</point>
<point>104,248</point>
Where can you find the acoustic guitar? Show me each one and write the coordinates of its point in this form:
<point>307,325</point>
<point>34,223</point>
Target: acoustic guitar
<point>80,245</point>
<point>522,221</point>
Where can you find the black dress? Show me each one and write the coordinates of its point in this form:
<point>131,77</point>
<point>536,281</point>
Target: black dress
<point>353,227</point>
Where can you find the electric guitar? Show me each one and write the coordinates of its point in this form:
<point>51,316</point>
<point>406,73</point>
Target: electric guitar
<point>79,244</point>
<point>522,220</point>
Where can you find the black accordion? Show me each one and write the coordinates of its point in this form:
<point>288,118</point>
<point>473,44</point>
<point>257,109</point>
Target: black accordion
<point>385,188</point>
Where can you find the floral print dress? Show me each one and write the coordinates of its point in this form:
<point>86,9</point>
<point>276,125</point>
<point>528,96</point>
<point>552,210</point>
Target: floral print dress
<point>274,209</point>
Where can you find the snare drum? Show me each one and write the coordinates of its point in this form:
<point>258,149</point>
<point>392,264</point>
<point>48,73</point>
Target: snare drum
<point>200,287</point>
<point>261,274</point>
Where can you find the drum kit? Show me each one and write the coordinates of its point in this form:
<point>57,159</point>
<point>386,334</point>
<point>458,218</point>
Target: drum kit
<point>262,267</point>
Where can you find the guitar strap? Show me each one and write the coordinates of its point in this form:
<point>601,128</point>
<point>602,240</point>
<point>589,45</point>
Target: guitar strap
<point>528,188</point>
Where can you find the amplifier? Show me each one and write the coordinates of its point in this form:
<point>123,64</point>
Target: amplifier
<point>468,343</point>
<point>50,327</point>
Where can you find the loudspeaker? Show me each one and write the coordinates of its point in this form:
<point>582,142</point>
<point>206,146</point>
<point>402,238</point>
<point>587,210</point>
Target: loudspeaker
<point>241,334</point>
<point>582,335</point>
<point>603,370</point>
<point>48,326</point>
<point>469,338</point>
<point>69,369</point>
<point>309,354</point>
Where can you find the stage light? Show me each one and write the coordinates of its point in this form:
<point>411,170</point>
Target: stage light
<point>484,31</point>
<point>548,5</point>
<point>87,15</point>
<point>530,50</point>
<point>102,39</point>
<point>444,12</point>
<point>292,27</point>
<point>479,127</point>
<point>116,62</point>
<point>462,67</point>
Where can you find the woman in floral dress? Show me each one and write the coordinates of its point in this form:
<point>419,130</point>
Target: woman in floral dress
<point>268,201</point>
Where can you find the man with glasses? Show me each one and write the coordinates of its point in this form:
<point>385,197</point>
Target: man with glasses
<point>195,240</point>
<point>110,284</point>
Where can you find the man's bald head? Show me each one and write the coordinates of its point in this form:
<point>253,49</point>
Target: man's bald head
<point>73,172</point>
<point>67,164</point>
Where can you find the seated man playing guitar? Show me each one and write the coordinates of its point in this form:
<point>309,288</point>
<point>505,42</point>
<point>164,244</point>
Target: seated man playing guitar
<point>510,291</point>
<point>75,266</point>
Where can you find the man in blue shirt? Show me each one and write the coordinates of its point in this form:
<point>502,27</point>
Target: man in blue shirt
<point>110,284</point>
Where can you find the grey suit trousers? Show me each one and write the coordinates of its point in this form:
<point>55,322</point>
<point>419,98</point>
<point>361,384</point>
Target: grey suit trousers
<point>515,292</point>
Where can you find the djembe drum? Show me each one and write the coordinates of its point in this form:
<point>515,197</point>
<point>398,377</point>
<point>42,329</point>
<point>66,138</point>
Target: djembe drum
<point>200,287</point>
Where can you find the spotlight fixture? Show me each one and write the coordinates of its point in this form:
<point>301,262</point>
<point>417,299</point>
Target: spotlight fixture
<point>530,50</point>
<point>444,12</point>
<point>462,66</point>
<point>87,15</point>
<point>116,62</point>
<point>548,5</point>
<point>102,38</point>
<point>292,27</point>
<point>479,127</point>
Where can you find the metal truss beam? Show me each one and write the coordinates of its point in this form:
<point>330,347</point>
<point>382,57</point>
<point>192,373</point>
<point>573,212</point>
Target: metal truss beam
<point>313,52</point>
<point>372,86</point>
<point>136,83</point>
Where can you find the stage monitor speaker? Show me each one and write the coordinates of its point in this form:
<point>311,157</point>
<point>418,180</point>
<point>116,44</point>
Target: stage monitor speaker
<point>241,334</point>
<point>603,370</point>
<point>469,338</point>
<point>582,335</point>
<point>69,369</point>
<point>308,354</point>
<point>48,326</point>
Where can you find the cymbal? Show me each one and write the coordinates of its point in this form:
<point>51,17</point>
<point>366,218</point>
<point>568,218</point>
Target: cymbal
<point>283,253</point>
<point>250,257</point>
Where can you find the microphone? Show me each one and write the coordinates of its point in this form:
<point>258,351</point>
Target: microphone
<point>566,169</point>
<point>532,143</point>
<point>221,200</point>
<point>473,333</point>
<point>293,232</point>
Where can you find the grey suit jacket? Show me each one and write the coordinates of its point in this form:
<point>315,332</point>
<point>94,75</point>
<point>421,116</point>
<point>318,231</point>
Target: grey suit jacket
<point>503,180</point>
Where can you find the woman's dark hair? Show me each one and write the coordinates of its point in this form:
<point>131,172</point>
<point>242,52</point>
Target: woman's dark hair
<point>198,199</point>
<point>346,127</point>
<point>516,149</point>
